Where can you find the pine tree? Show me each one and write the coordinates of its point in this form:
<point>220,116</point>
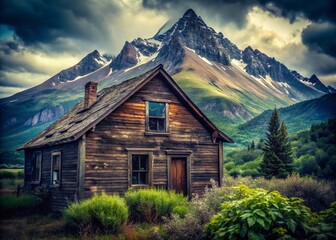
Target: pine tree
<point>285,149</point>
<point>252,145</point>
<point>277,161</point>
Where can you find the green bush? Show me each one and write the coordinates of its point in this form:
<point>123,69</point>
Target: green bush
<point>11,205</point>
<point>181,211</point>
<point>229,165</point>
<point>259,214</point>
<point>326,224</point>
<point>150,205</point>
<point>99,214</point>
<point>200,211</point>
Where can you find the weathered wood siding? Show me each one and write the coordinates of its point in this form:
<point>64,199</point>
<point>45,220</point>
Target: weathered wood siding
<point>60,196</point>
<point>106,165</point>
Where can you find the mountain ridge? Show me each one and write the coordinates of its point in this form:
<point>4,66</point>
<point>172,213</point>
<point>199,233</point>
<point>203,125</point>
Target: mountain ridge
<point>230,86</point>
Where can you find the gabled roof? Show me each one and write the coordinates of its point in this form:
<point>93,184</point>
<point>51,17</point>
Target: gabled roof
<point>77,121</point>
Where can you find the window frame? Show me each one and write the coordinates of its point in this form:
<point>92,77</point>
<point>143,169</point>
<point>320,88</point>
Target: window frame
<point>166,116</point>
<point>56,153</point>
<point>139,171</point>
<point>33,168</point>
<point>147,152</point>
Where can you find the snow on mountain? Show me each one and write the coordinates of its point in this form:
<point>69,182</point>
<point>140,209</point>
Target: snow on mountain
<point>227,83</point>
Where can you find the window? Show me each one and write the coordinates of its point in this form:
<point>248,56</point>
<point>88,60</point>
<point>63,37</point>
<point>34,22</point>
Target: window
<point>36,167</point>
<point>140,166</point>
<point>55,169</point>
<point>157,116</point>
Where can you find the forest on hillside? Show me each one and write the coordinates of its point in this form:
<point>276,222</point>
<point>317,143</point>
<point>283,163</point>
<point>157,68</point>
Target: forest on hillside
<point>313,151</point>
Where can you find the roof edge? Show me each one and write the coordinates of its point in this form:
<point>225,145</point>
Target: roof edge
<point>199,112</point>
<point>152,73</point>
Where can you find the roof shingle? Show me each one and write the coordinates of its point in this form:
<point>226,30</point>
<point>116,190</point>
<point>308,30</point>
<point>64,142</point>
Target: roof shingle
<point>78,120</point>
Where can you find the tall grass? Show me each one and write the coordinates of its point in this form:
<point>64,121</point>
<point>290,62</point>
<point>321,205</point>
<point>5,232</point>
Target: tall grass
<point>11,205</point>
<point>317,194</point>
<point>99,214</point>
<point>150,205</point>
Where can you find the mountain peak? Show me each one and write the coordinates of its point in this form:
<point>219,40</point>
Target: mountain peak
<point>313,78</point>
<point>190,14</point>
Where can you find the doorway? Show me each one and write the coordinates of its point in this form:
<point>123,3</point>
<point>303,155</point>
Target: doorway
<point>178,175</point>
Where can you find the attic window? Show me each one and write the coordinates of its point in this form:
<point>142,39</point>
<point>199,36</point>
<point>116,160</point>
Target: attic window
<point>157,116</point>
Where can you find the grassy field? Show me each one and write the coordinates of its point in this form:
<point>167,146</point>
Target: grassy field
<point>10,179</point>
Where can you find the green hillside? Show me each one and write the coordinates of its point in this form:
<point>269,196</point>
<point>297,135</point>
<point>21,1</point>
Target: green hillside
<point>314,153</point>
<point>297,117</point>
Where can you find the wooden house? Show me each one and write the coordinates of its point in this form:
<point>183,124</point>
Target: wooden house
<point>144,132</point>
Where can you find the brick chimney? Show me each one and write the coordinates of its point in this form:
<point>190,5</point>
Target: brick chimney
<point>90,94</point>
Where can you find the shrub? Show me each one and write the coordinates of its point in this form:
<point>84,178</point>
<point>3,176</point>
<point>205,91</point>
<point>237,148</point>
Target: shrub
<point>326,224</point>
<point>201,210</point>
<point>11,205</point>
<point>259,214</point>
<point>99,214</point>
<point>317,194</point>
<point>229,165</point>
<point>150,205</point>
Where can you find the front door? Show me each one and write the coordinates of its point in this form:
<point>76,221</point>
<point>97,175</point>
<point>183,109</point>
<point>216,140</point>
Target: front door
<point>178,175</point>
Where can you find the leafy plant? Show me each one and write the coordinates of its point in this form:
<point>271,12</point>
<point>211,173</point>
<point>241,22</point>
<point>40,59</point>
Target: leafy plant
<point>99,214</point>
<point>150,205</point>
<point>326,224</point>
<point>259,214</point>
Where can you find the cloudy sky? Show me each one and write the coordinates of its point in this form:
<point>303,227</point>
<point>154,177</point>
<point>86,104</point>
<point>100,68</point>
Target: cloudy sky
<point>38,38</point>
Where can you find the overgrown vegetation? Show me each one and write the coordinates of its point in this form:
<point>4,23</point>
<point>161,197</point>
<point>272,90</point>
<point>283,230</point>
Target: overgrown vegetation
<point>200,210</point>
<point>317,194</point>
<point>12,205</point>
<point>150,205</point>
<point>258,214</point>
<point>243,208</point>
<point>238,200</point>
<point>99,214</point>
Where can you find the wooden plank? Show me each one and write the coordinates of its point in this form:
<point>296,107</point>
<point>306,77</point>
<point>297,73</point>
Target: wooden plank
<point>106,164</point>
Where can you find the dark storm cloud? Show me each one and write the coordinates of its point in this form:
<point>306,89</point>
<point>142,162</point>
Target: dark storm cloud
<point>321,10</point>
<point>227,10</point>
<point>9,47</point>
<point>39,21</point>
<point>321,38</point>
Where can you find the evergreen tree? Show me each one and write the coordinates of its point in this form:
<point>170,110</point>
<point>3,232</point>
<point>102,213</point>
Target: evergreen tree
<point>285,149</point>
<point>277,161</point>
<point>252,145</point>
